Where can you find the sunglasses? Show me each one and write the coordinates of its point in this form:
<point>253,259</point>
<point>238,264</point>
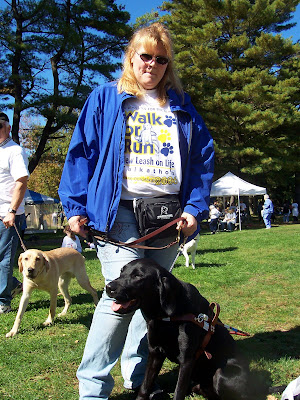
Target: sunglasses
<point>159,59</point>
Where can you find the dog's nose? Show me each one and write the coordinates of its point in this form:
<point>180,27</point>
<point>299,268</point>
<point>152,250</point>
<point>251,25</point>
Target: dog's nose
<point>30,271</point>
<point>110,288</point>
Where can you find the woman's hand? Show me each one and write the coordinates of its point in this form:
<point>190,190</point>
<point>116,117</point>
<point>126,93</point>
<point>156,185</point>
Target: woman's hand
<point>189,226</point>
<point>76,224</point>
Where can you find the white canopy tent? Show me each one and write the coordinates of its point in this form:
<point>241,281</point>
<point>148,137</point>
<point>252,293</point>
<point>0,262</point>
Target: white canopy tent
<point>232,185</point>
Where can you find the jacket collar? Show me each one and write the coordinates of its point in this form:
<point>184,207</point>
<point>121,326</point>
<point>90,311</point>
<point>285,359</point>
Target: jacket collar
<point>177,101</point>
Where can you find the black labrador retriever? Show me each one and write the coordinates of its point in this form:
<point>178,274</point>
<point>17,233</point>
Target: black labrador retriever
<point>217,372</point>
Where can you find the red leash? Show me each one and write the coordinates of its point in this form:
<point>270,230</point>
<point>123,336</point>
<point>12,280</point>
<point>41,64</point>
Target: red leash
<point>136,243</point>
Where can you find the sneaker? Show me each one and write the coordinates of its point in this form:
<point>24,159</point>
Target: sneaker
<point>4,309</point>
<point>17,290</point>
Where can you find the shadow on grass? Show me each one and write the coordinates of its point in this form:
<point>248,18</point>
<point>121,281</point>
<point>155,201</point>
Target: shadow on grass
<point>206,265</point>
<point>272,345</point>
<point>210,265</point>
<point>81,298</point>
<point>84,319</point>
<point>219,250</point>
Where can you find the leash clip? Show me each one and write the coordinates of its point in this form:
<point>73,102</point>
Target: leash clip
<point>201,318</point>
<point>178,235</point>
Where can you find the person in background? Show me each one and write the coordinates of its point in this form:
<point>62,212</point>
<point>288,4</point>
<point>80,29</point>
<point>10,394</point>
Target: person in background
<point>71,240</point>
<point>260,210</point>
<point>13,183</point>
<point>139,137</point>
<point>214,215</point>
<point>54,219</point>
<point>233,207</point>
<point>243,206</point>
<point>229,220</point>
<point>295,211</point>
<point>286,210</point>
<point>268,210</point>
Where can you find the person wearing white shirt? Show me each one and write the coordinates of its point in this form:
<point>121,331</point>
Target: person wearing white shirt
<point>13,183</point>
<point>214,215</point>
<point>229,220</point>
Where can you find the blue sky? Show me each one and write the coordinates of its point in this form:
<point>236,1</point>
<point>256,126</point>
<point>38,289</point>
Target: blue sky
<point>136,8</point>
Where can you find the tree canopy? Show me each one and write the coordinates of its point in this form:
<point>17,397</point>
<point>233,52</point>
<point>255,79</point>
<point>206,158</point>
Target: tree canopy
<point>53,52</point>
<point>243,77</point>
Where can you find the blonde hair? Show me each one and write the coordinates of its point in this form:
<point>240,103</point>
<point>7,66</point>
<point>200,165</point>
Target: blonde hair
<point>149,37</point>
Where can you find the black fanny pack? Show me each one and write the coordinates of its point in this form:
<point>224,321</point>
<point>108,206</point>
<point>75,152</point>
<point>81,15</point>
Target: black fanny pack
<point>153,213</point>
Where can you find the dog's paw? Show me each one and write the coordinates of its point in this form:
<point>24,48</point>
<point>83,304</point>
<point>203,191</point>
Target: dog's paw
<point>62,314</point>
<point>47,323</point>
<point>12,333</point>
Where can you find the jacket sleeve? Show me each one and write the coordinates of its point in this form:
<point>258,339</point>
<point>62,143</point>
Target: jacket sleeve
<point>81,159</point>
<point>200,169</point>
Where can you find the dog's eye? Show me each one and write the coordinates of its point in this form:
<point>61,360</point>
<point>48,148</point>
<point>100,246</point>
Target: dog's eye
<point>137,274</point>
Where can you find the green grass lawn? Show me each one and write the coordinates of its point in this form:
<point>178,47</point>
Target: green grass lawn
<point>253,275</point>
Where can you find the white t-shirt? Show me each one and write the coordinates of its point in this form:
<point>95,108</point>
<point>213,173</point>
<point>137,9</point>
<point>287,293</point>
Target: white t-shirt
<point>13,166</point>
<point>74,244</point>
<point>152,155</point>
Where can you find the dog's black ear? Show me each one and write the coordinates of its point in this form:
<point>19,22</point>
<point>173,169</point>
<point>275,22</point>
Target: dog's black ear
<point>167,296</point>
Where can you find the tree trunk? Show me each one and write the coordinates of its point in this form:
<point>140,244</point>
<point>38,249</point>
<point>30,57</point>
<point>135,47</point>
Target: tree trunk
<point>297,187</point>
<point>16,78</point>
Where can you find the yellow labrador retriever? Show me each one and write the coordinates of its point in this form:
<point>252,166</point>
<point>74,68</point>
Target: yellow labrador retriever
<point>50,270</point>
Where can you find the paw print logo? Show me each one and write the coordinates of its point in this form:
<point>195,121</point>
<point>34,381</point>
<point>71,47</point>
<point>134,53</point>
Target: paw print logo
<point>167,149</point>
<point>169,121</point>
<point>164,136</point>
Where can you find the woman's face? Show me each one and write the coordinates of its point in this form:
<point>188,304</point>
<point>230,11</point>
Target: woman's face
<point>149,73</point>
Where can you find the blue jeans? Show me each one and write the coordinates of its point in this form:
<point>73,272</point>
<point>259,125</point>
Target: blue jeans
<point>111,332</point>
<point>8,246</point>
<point>267,220</point>
<point>213,225</point>
<point>286,217</point>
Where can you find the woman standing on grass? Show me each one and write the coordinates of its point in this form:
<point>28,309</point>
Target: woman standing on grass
<point>139,138</point>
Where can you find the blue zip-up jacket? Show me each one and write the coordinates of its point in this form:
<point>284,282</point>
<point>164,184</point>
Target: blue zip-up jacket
<point>91,181</point>
<point>268,207</point>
